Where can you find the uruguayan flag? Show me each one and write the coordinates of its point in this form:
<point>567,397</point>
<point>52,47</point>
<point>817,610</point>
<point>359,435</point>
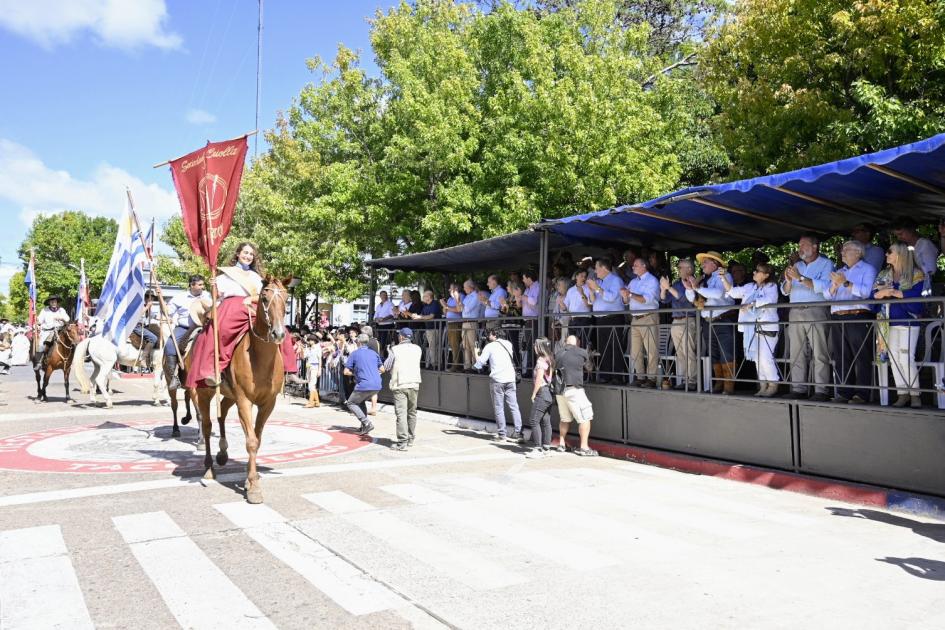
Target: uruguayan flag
<point>122,300</point>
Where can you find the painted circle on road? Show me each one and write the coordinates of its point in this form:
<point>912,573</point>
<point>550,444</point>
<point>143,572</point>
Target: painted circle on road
<point>137,446</point>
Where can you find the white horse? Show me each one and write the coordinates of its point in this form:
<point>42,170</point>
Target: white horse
<point>105,355</point>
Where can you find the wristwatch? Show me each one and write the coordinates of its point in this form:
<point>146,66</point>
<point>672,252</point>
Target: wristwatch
<point>847,284</point>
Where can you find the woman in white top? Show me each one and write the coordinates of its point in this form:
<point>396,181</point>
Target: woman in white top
<point>759,326</point>
<point>238,286</point>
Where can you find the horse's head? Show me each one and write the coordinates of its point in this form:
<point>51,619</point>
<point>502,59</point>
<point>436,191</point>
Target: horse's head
<point>271,307</point>
<point>72,333</point>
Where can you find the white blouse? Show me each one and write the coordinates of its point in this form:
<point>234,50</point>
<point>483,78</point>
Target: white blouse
<point>228,287</point>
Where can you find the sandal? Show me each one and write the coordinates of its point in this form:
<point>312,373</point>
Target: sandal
<point>585,452</point>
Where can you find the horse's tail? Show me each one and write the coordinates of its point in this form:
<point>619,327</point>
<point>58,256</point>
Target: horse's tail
<point>78,360</point>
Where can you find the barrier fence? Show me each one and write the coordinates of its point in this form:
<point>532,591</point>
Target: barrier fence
<point>809,350</point>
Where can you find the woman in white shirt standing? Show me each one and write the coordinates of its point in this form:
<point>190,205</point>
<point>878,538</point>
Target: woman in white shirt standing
<point>759,326</point>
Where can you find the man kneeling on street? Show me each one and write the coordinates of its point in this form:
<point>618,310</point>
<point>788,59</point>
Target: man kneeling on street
<point>403,364</point>
<point>365,366</point>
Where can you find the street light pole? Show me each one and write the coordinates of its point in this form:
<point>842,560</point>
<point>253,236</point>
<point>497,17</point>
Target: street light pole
<point>259,31</point>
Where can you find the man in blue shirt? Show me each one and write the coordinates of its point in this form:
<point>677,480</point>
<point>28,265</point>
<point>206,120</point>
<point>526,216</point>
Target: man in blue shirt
<point>453,307</point>
<point>432,336</point>
<point>683,330</point>
<point>805,281</point>
<point>718,330</point>
<point>472,310</point>
<point>608,307</point>
<point>365,366</point>
<point>642,297</point>
<point>493,306</point>
<point>851,341</point>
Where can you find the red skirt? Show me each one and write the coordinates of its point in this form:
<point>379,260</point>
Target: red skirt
<point>234,321</point>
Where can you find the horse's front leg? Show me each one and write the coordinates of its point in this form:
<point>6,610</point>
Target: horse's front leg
<point>65,376</point>
<point>39,383</point>
<point>47,374</point>
<point>203,411</point>
<point>253,490</point>
<point>223,455</point>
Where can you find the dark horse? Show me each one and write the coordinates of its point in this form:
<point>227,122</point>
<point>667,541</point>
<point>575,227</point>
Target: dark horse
<point>254,377</point>
<point>58,357</point>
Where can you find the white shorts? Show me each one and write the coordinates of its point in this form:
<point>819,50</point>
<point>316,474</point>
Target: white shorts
<point>573,406</point>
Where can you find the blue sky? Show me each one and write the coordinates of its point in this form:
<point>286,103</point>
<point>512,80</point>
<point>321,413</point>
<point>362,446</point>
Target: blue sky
<point>96,92</point>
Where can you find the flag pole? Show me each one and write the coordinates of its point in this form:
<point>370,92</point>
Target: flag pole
<point>35,315</point>
<point>213,312</point>
<point>245,135</point>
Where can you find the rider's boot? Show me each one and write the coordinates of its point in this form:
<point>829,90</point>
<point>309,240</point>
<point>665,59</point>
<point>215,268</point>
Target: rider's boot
<point>170,370</point>
<point>147,349</point>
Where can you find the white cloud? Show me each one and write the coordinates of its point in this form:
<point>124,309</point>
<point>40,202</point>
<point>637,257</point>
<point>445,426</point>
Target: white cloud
<point>34,188</point>
<point>6,272</point>
<point>125,24</point>
<point>200,117</point>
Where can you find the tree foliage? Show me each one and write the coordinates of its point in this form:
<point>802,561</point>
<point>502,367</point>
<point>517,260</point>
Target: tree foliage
<point>60,242</point>
<point>801,82</point>
<point>479,124</point>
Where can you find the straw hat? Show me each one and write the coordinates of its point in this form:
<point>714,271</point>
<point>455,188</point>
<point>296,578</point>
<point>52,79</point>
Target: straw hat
<point>711,255</point>
<point>198,311</point>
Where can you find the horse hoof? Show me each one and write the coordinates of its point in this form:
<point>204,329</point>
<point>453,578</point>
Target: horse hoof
<point>185,420</point>
<point>209,474</point>
<point>175,432</point>
<point>254,496</point>
<point>222,458</point>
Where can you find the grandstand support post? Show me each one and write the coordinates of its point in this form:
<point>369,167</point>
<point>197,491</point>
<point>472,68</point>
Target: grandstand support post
<point>373,293</point>
<point>542,277</point>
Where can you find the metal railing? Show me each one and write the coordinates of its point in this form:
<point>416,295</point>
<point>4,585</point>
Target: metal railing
<point>680,349</point>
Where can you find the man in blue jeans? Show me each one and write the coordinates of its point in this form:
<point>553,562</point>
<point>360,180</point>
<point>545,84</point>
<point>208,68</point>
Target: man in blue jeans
<point>498,356</point>
<point>365,366</point>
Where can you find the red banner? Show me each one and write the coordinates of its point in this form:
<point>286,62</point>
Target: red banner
<point>208,184</point>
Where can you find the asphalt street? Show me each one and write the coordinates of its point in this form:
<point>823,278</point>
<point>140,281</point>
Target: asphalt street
<point>105,522</point>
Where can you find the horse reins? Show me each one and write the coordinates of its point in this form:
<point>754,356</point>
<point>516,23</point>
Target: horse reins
<point>268,318</point>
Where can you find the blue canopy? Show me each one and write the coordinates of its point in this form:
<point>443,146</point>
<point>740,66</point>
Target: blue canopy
<point>828,199</point>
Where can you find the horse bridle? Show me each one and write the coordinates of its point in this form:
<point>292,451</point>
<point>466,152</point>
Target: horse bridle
<point>266,315</point>
<point>58,340</point>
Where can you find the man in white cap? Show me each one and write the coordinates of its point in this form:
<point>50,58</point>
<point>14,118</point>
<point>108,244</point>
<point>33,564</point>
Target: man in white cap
<point>403,364</point>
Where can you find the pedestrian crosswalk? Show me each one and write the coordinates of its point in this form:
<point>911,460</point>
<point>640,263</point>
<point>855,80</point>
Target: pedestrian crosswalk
<point>457,533</point>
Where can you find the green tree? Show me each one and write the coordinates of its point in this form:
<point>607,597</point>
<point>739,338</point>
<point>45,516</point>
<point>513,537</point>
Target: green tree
<point>60,242</point>
<point>809,81</point>
<point>479,124</point>
<point>18,306</point>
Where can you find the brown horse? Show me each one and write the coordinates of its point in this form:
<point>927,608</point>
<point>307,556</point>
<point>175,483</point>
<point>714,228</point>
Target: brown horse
<point>254,377</point>
<point>59,357</point>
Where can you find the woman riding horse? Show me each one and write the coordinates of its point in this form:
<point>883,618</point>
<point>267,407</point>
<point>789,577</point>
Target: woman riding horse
<point>238,288</point>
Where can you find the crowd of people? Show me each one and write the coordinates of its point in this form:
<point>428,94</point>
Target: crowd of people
<point>755,323</point>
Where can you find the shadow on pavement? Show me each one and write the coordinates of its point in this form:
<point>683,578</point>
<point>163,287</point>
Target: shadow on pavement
<point>933,531</point>
<point>919,567</point>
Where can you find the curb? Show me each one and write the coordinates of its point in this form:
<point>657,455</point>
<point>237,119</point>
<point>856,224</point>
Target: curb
<point>821,487</point>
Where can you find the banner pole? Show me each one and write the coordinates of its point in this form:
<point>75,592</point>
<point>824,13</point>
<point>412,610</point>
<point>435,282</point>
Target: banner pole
<point>213,314</point>
<point>245,135</point>
<point>35,305</point>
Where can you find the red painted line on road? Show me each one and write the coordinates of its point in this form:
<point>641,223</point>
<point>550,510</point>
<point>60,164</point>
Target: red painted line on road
<point>778,480</point>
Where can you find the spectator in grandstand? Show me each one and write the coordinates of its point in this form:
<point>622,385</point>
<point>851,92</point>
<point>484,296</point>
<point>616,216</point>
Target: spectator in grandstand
<point>738,272</point>
<point>432,330</point>
<point>718,333</point>
<point>573,405</point>
<point>607,304</point>
<point>926,254</point>
<point>531,306</point>
<point>472,311</point>
<point>851,340</point>
<point>493,305</point>
<point>642,296</point>
<point>683,329</point>
<point>759,326</point>
<point>577,303</point>
<point>804,282</point>
<point>898,328</point>
<point>497,354</point>
<point>453,307</point>
<point>384,318</point>
<point>558,308</point>
<point>873,254</point>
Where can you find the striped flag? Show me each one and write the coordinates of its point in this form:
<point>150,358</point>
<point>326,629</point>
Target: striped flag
<point>30,281</point>
<point>121,302</point>
<point>83,303</point>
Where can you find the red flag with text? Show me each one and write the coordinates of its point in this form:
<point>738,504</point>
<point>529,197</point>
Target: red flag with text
<point>208,184</point>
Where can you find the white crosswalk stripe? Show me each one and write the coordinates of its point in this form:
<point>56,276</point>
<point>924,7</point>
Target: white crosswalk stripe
<point>514,519</point>
<point>38,584</point>
<point>196,591</point>
<point>461,564</point>
<point>346,585</point>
